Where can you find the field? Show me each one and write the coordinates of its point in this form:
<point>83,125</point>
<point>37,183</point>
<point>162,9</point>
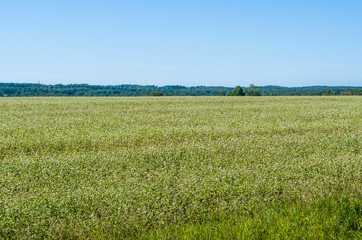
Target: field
<point>181,167</point>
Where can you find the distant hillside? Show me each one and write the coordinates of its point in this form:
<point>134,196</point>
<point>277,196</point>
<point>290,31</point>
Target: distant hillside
<point>29,89</point>
<point>264,90</point>
<point>25,89</point>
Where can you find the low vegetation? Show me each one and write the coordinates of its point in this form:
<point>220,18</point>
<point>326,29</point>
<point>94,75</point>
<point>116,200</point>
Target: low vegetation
<point>181,167</point>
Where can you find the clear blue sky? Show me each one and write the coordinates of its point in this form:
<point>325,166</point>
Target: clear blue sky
<point>199,42</point>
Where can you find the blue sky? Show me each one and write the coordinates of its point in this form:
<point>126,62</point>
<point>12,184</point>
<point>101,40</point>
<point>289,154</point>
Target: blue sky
<point>199,42</point>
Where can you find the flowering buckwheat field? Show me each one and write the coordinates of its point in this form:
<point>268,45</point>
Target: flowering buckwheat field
<point>181,168</point>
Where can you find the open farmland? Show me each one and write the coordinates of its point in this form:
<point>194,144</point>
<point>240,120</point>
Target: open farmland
<point>181,167</point>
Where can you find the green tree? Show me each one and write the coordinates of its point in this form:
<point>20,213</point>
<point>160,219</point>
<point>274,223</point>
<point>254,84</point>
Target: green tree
<point>353,91</point>
<point>222,93</point>
<point>237,91</point>
<point>251,91</point>
<point>327,92</point>
<point>157,94</point>
<point>336,92</point>
<point>348,91</point>
<point>317,93</point>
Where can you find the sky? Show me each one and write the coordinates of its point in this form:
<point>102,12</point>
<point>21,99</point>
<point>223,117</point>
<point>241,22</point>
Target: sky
<point>188,42</point>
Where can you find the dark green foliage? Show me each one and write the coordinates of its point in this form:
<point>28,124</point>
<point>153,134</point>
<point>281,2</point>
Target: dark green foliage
<point>278,90</point>
<point>257,92</point>
<point>222,93</point>
<point>350,91</point>
<point>237,91</point>
<point>327,92</point>
<point>273,94</point>
<point>317,93</point>
<point>157,94</point>
<point>294,94</point>
<point>251,91</point>
<point>28,89</point>
<point>25,89</point>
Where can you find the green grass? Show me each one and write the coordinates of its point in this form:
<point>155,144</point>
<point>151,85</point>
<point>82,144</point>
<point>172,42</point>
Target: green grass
<point>181,167</point>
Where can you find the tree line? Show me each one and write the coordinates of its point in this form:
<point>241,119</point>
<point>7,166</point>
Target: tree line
<point>32,89</point>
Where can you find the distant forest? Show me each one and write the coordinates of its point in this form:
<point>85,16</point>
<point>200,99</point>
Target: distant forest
<point>30,89</point>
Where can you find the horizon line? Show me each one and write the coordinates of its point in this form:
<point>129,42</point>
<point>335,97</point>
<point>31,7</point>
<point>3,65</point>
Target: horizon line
<point>186,86</point>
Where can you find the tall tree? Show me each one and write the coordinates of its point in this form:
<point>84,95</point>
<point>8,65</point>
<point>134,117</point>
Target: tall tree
<point>251,91</point>
<point>327,92</point>
<point>237,91</point>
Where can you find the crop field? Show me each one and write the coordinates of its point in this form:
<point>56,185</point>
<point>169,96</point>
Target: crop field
<point>181,168</point>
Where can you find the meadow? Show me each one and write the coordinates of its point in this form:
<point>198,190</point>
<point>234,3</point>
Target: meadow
<point>181,168</point>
